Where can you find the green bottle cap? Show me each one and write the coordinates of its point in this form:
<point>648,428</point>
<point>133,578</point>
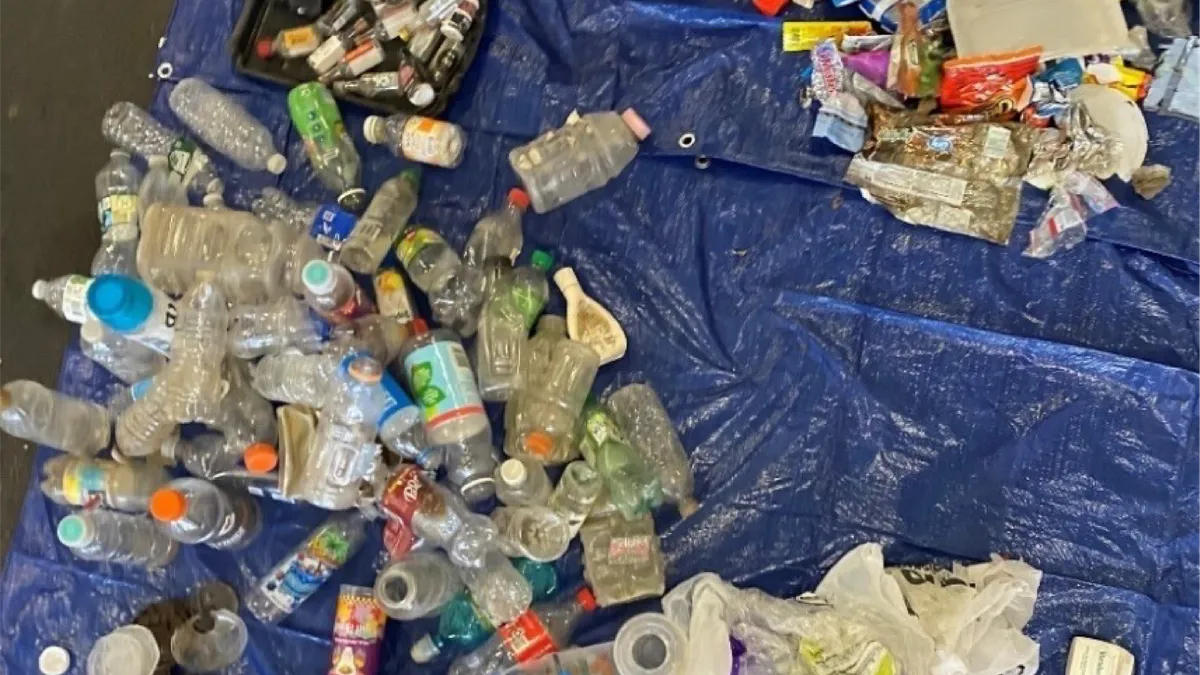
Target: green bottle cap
<point>413,177</point>
<point>542,260</point>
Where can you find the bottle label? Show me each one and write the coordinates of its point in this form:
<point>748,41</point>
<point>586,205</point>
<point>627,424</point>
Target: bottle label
<point>331,226</point>
<point>397,539</point>
<point>357,632</point>
<point>364,57</point>
<point>427,140</point>
<point>185,160</point>
<point>526,637</point>
<point>84,484</point>
<point>117,212</point>
<point>397,399</point>
<point>316,117</point>
<point>443,383</point>
<point>528,302</point>
<point>358,305</point>
<point>391,292</point>
<point>404,493</point>
<point>301,574</point>
<point>74,298</point>
<point>629,550</point>
<point>414,241</point>
<point>298,41</point>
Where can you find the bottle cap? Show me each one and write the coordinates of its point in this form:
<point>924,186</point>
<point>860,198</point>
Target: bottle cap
<point>265,48</point>
<point>412,176</point>
<point>276,163</point>
<point>636,124</point>
<point>770,7</point>
<point>118,153</point>
<point>419,326</point>
<point>157,161</point>
<point>91,331</point>
<point>421,95</point>
<point>260,458</point>
<point>54,661</point>
<point>366,370</point>
<point>122,303</point>
<point>518,198</point>
<point>353,199</point>
<point>424,650</point>
<point>539,443</point>
<point>586,599</point>
<point>40,288</point>
<point>318,277</point>
<point>542,260</point>
<point>565,278</point>
<point>375,129</point>
<point>513,473</point>
<point>74,531</point>
<point>168,505</point>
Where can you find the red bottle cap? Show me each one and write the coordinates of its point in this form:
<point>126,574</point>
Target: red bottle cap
<point>770,7</point>
<point>265,48</point>
<point>518,198</point>
<point>419,327</point>
<point>167,505</point>
<point>585,599</point>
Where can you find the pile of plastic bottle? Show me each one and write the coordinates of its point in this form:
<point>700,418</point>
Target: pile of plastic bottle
<point>289,343</point>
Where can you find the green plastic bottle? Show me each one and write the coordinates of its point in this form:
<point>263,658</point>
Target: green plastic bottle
<point>633,487</point>
<point>330,149</point>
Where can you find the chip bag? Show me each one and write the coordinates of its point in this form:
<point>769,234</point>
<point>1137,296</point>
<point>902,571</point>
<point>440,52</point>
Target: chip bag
<point>997,84</point>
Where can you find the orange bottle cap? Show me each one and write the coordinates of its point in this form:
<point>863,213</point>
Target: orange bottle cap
<point>539,443</point>
<point>168,505</point>
<point>518,198</point>
<point>586,599</point>
<point>260,458</point>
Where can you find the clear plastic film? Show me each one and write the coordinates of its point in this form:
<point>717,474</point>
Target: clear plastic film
<point>1063,224</point>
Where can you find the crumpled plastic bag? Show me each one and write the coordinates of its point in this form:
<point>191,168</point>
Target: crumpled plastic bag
<point>1063,224</point>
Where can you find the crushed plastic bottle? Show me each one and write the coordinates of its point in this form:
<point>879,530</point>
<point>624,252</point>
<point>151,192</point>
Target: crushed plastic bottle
<point>226,126</point>
<point>193,382</point>
<point>194,511</point>
<point>545,425</point>
<point>633,486</point>
<point>640,413</point>
<point>129,127</point>
<point>271,328</point>
<point>302,572</point>
<point>291,377</point>
<point>330,149</point>
<point>134,310</point>
<point>578,489</point>
<point>510,312</point>
<point>522,482</point>
<point>563,164</point>
<point>542,629</point>
<point>499,591</point>
<point>46,417</point>
<point>498,234</point>
<point>437,515</point>
<point>535,364</point>
<point>418,139</point>
<point>128,360</point>
<point>117,208</point>
<point>440,377</point>
<point>383,221</point>
<point>331,291</point>
<point>119,538</point>
<point>275,204</point>
<point>470,464</point>
<point>455,290</point>
<point>99,482</point>
<point>622,559</point>
<point>143,428</point>
<point>244,417</point>
<point>159,188</point>
<point>418,586</point>
<point>534,532</point>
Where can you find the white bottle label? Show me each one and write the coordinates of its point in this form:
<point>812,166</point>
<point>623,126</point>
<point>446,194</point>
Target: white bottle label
<point>74,302</point>
<point>425,140</point>
<point>159,330</point>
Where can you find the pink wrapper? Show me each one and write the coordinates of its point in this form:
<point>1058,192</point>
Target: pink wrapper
<point>357,632</point>
<point>871,65</point>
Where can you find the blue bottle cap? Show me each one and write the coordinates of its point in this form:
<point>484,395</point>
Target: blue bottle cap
<point>122,303</point>
<point>73,531</point>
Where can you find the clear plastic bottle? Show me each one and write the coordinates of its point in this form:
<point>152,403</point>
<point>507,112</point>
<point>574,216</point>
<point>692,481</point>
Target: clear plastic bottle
<point>120,538</point>
<point>271,328</point>
<point>331,291</point>
<point>123,398</point>
<point>534,532</point>
<point>437,515</point>
<point>418,139</point>
<point>275,204</point>
<point>510,312</point>
<point>498,234</point>
<point>593,660</point>
<point>193,381</point>
<point>470,465</point>
<point>128,360</point>
<point>67,296</point>
<point>543,629</point>
<point>158,187</point>
<point>117,208</point>
<point>279,592</point>
<point>622,559</point>
<point>226,126</point>
<point>194,511</point>
<point>144,426</point>
<point>127,126</point>
<point>134,310</point>
<point>210,641</point>
<point>401,424</point>
<point>566,163</point>
<point>535,364</point>
<point>443,384</point>
<point>578,489</point>
<point>382,222</point>
<point>458,303</point>
<point>100,482</point>
<point>545,424</point>
<point>633,486</point>
<point>330,149</point>
<point>522,482</point>
<point>499,591</point>
<point>46,417</point>
<point>244,417</point>
<point>291,377</point>
<point>418,586</point>
<point>650,644</point>
<point>427,258</point>
<point>640,413</point>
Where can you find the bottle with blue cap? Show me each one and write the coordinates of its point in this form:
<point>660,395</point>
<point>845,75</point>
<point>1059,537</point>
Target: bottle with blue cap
<point>134,310</point>
<point>332,292</point>
<point>120,538</point>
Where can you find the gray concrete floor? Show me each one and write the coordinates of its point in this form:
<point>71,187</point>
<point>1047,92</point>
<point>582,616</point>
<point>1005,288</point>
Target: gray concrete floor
<point>62,63</point>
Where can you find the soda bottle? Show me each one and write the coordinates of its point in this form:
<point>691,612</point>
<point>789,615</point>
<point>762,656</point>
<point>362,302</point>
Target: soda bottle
<point>542,629</point>
<point>117,208</point>
<point>46,417</point>
<point>418,139</point>
<point>274,204</point>
<point>588,321</point>
<point>119,538</point>
<point>382,222</point>
<point>279,592</point>
<point>134,310</point>
<point>99,482</point>
<point>534,532</point>
<point>194,511</point>
<point>535,364</point>
<point>127,126</point>
<point>418,586</point>
<point>577,490</point>
<point>291,377</point>
<point>144,426</point>
<point>330,149</point>
<point>545,423</point>
<point>440,377</point>
<point>639,411</point>
<point>332,292</point>
<point>593,660</point>
<point>159,188</point>
<point>193,382</point>
<point>271,328</point>
<point>498,234</point>
<point>622,559</point>
<point>510,312</point>
<point>470,464</point>
<point>633,487</point>
<point>437,515</point>
<point>128,360</point>
<point>566,163</point>
<point>225,126</point>
<point>67,296</point>
<point>522,482</point>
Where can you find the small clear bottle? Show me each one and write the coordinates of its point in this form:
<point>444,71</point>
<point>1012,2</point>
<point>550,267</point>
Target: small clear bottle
<point>470,465</point>
<point>193,382</point>
<point>129,127</point>
<point>500,592</point>
<point>130,361</point>
<point>143,427</point>
<point>46,417</point>
<point>274,204</point>
<point>522,482</point>
<point>633,487</point>
<point>194,511</point>
<point>158,187</point>
<point>418,139</point>
<point>291,377</point>
<point>578,489</point>
<point>287,323</point>
<point>640,413</point>
<point>385,218</point>
<point>418,586</point>
<point>120,538</point>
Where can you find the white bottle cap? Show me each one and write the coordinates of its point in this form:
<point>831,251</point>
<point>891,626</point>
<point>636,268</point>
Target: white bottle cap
<point>422,95</point>
<point>636,124</point>
<point>40,289</point>
<point>513,473</point>
<point>276,164</point>
<point>54,661</point>
<point>375,129</point>
<point>157,161</point>
<point>91,331</point>
<point>565,278</point>
<point>423,650</point>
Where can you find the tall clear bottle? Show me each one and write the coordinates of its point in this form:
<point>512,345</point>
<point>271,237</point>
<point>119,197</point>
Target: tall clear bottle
<point>543,629</point>
<point>129,127</point>
<point>498,234</point>
<point>545,423</point>
<point>500,592</point>
<point>522,482</point>
<point>418,139</point>
<point>563,164</point>
<point>193,378</point>
<point>533,532</point>
<point>225,126</point>
<point>194,511</point>
<point>640,413</point>
<point>382,222</point>
<point>418,586</point>
<point>130,361</point>
<point>99,482</point>
<point>46,417</point>
<point>118,538</point>
<point>578,489</point>
<point>470,464</point>
<point>271,328</point>
<point>117,208</point>
<point>510,312</point>
<point>330,149</point>
<point>66,295</point>
<point>535,364</point>
<point>158,187</point>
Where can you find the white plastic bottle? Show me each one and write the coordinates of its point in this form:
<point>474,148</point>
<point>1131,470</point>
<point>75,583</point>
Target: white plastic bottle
<point>588,321</point>
<point>46,417</point>
<point>418,139</point>
<point>98,482</point>
<point>510,312</point>
<point>117,208</point>
<point>127,126</point>
<point>67,296</point>
<point>522,482</point>
<point>439,375</point>
<point>383,221</point>
<point>417,586</point>
<point>158,187</point>
<point>225,125</point>
<point>270,328</point>
<point>194,386</point>
<point>134,310</point>
<point>565,163</point>
<point>118,538</point>
<point>498,234</point>
<point>130,361</point>
<point>194,511</point>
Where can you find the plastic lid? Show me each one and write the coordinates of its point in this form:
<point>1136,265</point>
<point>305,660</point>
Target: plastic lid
<point>353,199</point>
<point>422,95</point>
<point>419,326</point>
<point>54,661</point>
<point>636,124</point>
<point>565,278</point>
<point>120,302</point>
<point>586,599</point>
<point>91,331</point>
<point>276,163</point>
<point>542,260</point>
<point>158,161</point>
<point>168,505</point>
<point>375,129</point>
<point>318,277</point>
<point>424,650</point>
<point>366,370</point>
<point>539,443</point>
<point>260,458</point>
<point>513,473</point>
<point>40,288</point>
<point>74,531</point>
<point>265,48</point>
<point>518,198</point>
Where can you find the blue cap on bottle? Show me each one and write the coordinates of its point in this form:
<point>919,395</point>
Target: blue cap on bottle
<point>121,302</point>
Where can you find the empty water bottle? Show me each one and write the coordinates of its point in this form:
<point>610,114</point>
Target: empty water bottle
<point>499,591</point>
<point>120,538</point>
<point>522,482</point>
<point>382,222</point>
<point>535,532</point>
<point>535,364</point>
<point>279,592</point>
<point>134,310</point>
<point>159,188</point>
<point>244,417</point>
<point>455,291</point>
<point>510,312</point>
<point>418,139</point>
<point>130,361</point>
<point>443,384</point>
<point>401,425</point>
<point>640,413</point>
<point>117,208</point>
<point>132,129</point>
<point>418,586</point>
<point>622,559</point>
<point>46,417</point>
<point>543,629</point>
<point>330,149</point>
<point>578,489</point>
<point>226,126</point>
<point>144,426</point>
<point>287,323</point>
<point>193,377</point>
<point>633,486</point>
<point>437,515</point>
<point>593,660</point>
<point>545,423</point>
<point>470,464</point>
<point>498,234</point>
<point>275,204</point>
<point>204,456</point>
<point>194,511</point>
<point>331,291</point>
<point>291,377</point>
<point>67,296</point>
<point>99,482</point>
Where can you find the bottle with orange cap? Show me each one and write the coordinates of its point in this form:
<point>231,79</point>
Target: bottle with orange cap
<point>194,511</point>
<point>209,455</point>
<point>498,234</point>
<point>443,385</point>
<point>545,423</point>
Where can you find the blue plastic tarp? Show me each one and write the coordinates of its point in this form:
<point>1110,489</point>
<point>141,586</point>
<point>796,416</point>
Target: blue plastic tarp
<point>837,375</point>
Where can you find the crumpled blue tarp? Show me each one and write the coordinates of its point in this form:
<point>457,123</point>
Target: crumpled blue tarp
<point>839,376</point>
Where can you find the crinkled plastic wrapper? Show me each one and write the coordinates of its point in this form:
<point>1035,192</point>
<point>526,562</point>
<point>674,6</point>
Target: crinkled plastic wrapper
<point>1078,145</point>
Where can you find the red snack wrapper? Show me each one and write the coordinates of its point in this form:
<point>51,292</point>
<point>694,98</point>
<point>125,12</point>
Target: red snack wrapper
<point>998,84</point>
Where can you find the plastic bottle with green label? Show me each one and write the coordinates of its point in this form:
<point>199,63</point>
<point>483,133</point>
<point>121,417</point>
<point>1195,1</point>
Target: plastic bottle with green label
<point>510,312</point>
<point>443,385</point>
<point>117,208</point>
<point>633,486</point>
<point>330,149</point>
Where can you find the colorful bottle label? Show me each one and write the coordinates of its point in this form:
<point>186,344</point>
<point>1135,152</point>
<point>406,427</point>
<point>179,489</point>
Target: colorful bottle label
<point>526,637</point>
<point>391,292</point>
<point>358,305</point>
<point>397,399</point>
<point>397,539</point>
<point>84,484</point>
<point>74,298</point>
<point>331,226</point>
<point>301,574</point>
<point>315,115</point>
<point>357,632</point>
<point>414,241</point>
<point>404,493</point>
<point>118,213</point>
<point>185,160</point>
<point>429,141</point>
<point>443,383</point>
<point>634,550</point>
<point>300,41</point>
